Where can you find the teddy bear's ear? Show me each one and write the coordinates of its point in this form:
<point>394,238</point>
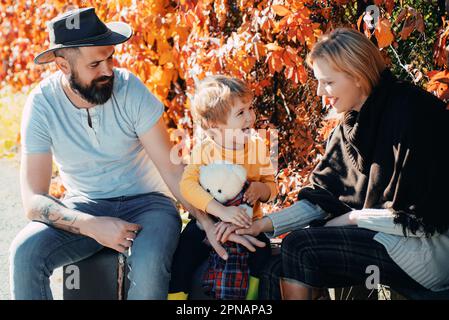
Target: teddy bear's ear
<point>240,171</point>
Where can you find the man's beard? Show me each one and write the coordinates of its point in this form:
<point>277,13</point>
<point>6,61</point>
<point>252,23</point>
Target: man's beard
<point>94,93</point>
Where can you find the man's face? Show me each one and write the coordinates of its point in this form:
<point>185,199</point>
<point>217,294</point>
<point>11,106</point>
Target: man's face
<point>92,74</point>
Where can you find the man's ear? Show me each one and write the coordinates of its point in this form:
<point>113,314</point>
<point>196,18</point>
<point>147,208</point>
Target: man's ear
<point>63,65</point>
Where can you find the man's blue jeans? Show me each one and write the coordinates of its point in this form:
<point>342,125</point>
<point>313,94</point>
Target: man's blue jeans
<point>39,249</point>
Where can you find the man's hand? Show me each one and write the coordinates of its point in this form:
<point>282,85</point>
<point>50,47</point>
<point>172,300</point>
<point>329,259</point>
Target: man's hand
<point>208,225</point>
<point>249,242</point>
<point>222,228</point>
<point>346,219</point>
<point>111,232</point>
<point>209,228</point>
<point>256,191</point>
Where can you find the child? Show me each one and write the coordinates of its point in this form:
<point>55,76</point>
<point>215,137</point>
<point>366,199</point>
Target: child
<point>223,108</point>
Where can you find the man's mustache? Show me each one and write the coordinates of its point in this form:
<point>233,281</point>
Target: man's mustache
<point>104,78</point>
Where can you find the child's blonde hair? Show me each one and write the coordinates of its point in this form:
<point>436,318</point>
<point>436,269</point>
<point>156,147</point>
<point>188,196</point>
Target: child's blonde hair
<point>351,52</point>
<point>214,98</point>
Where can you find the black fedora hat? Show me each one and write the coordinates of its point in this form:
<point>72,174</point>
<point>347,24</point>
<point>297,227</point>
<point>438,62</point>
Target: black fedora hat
<point>82,28</point>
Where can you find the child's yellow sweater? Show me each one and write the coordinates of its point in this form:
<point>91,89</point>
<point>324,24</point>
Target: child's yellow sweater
<point>254,158</point>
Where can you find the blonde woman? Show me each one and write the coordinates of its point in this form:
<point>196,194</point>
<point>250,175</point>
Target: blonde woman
<point>380,185</point>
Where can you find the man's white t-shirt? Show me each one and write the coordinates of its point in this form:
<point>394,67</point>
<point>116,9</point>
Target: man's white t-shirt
<point>104,161</point>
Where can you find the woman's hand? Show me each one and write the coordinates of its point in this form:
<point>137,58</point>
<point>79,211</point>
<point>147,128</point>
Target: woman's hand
<point>346,219</point>
<point>225,232</point>
<point>248,242</point>
<point>258,226</point>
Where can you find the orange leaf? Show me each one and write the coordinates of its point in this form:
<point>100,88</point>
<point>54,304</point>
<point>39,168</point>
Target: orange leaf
<point>289,72</point>
<point>281,10</point>
<point>273,47</point>
<point>288,59</point>
<point>275,63</point>
<point>383,33</point>
<point>359,23</point>
<point>439,84</point>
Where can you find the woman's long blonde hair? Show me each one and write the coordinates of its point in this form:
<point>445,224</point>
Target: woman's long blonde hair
<point>349,51</point>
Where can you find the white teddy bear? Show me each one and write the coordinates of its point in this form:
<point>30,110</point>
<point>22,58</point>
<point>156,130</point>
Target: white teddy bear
<point>225,181</point>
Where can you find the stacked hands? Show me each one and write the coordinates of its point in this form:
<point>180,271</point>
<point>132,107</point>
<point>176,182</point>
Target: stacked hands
<point>238,215</point>
<point>236,225</point>
<point>232,204</point>
<point>245,235</point>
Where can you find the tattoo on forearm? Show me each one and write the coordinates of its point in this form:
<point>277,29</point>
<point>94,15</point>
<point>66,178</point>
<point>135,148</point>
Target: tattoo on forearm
<point>51,211</point>
<point>67,228</point>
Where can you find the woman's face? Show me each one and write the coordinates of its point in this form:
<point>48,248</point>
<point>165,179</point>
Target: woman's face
<point>337,88</point>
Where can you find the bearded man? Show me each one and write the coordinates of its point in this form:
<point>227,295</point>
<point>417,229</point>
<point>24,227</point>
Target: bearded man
<point>104,130</point>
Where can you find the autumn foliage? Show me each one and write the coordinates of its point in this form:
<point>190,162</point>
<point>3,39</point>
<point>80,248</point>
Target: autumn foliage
<point>263,42</point>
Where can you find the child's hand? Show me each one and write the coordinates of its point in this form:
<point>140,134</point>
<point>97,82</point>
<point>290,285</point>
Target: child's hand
<point>235,215</point>
<point>256,191</point>
<point>224,228</point>
<point>228,234</point>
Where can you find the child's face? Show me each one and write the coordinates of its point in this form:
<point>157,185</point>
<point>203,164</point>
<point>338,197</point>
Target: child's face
<point>240,120</point>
